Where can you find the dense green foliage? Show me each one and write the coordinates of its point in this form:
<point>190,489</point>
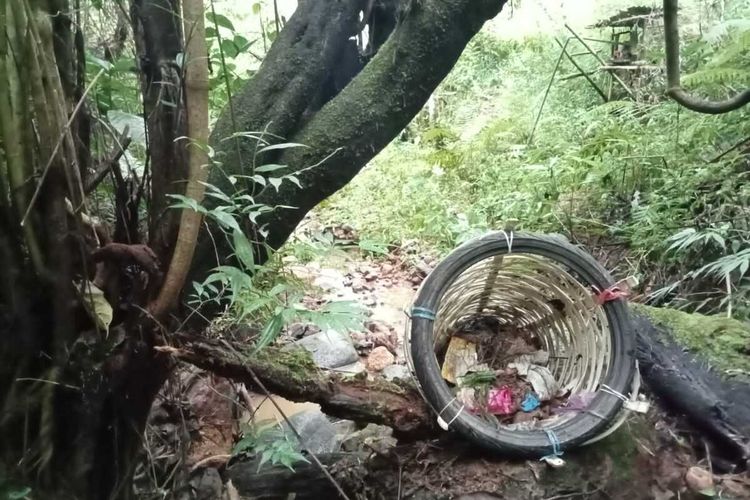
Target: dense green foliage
<point>637,181</point>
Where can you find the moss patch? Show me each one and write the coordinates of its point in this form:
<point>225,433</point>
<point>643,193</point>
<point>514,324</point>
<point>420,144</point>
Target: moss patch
<point>722,341</point>
<point>294,364</point>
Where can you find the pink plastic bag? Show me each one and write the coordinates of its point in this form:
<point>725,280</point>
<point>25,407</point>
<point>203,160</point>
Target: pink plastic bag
<point>500,401</point>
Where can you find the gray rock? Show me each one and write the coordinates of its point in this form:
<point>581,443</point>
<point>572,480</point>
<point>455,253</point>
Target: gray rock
<point>318,433</point>
<point>207,484</point>
<point>344,428</point>
<point>329,349</point>
<point>392,372</point>
<point>372,437</point>
<point>352,369</point>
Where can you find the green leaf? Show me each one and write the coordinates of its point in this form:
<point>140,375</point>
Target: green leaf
<point>225,219</point>
<point>270,331</point>
<point>271,167</point>
<point>283,145</point>
<point>229,48</point>
<point>99,63</point>
<point>186,203</point>
<point>374,247</point>
<point>293,179</point>
<point>242,43</point>
<point>275,182</point>
<point>239,281</point>
<point>256,8</point>
<point>243,250</point>
<point>247,442</point>
<point>98,306</point>
<point>220,20</point>
<point>265,457</point>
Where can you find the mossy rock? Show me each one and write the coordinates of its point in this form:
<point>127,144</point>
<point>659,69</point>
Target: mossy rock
<point>723,342</point>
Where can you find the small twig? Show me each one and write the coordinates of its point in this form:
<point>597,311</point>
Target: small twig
<point>214,459</point>
<point>51,382</point>
<point>245,395</point>
<point>743,142</point>
<point>708,458</point>
<point>276,15</point>
<point>400,477</point>
<point>546,92</point>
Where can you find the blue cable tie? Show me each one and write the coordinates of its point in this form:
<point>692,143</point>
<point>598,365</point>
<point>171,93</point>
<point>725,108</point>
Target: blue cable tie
<point>556,452</point>
<point>421,312</point>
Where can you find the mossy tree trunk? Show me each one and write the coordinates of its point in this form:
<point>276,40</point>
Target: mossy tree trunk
<point>353,125</point>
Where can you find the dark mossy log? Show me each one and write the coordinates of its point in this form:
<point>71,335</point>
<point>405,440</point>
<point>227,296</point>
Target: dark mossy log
<point>684,382</point>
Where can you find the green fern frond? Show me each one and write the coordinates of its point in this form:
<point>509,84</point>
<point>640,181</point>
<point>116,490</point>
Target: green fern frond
<point>737,46</point>
<point>717,76</point>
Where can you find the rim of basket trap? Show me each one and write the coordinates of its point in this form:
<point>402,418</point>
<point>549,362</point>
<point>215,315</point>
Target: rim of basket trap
<point>582,426</point>
<point>584,330</point>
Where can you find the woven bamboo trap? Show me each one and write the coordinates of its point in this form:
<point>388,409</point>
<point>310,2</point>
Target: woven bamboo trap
<point>514,336</point>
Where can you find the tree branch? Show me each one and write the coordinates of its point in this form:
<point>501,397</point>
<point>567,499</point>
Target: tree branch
<point>105,166</point>
<point>158,38</point>
<point>294,70</point>
<point>674,89</point>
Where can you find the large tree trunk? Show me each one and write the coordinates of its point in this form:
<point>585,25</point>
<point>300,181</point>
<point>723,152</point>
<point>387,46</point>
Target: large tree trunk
<point>74,395</point>
<point>353,126</point>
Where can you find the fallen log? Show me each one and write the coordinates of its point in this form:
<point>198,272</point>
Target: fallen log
<point>293,375</point>
<point>685,385</point>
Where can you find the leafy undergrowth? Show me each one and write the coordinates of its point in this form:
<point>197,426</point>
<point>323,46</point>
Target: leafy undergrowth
<point>643,180</point>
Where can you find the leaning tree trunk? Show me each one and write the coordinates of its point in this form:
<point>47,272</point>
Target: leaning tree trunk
<point>354,125</point>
